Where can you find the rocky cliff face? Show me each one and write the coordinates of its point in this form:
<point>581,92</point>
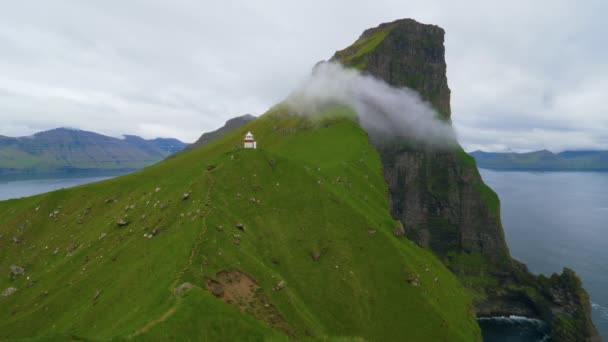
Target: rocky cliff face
<point>441,199</point>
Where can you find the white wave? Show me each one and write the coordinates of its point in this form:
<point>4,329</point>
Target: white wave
<point>513,318</point>
<point>603,311</point>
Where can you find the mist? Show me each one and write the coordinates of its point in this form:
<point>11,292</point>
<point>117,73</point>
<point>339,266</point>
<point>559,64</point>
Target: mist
<point>383,111</point>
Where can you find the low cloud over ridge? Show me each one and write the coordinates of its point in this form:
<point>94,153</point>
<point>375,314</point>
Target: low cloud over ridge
<point>381,109</point>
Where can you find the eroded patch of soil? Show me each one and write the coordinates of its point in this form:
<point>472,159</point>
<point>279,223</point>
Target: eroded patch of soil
<point>242,291</point>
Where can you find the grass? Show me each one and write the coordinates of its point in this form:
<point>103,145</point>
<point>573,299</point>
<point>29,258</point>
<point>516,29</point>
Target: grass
<point>312,186</point>
<point>355,54</point>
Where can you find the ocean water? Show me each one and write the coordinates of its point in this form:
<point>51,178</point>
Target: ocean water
<point>23,186</point>
<point>554,220</point>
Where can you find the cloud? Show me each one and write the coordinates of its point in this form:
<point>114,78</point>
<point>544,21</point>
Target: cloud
<point>384,111</point>
<point>184,67</point>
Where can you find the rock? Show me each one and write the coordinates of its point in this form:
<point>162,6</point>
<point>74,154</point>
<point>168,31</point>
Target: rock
<point>398,230</point>
<point>315,255</point>
<point>279,286</point>
<point>216,288</point>
<point>219,228</point>
<point>16,239</point>
<point>272,162</point>
<point>183,287</point>
<point>110,200</point>
<point>240,226</point>
<point>210,167</point>
<point>96,295</point>
<point>8,291</point>
<point>185,196</point>
<point>17,270</point>
<point>70,248</point>
<point>103,235</point>
<point>86,211</point>
<point>122,223</point>
<point>371,231</point>
<point>157,189</point>
<point>155,231</point>
<point>275,260</point>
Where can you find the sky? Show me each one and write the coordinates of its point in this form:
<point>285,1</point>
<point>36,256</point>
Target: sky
<point>524,75</point>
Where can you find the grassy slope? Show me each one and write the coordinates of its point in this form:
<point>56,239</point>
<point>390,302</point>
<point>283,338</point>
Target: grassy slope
<point>318,187</point>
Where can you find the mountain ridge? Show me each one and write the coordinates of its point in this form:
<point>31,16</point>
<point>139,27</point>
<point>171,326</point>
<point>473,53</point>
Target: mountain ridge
<point>73,150</point>
<point>229,126</point>
<point>544,160</point>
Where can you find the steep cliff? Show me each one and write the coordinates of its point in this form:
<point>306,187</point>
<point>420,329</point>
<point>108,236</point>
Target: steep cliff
<point>441,199</point>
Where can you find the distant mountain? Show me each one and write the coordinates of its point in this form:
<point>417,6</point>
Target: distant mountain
<point>544,160</point>
<point>228,127</point>
<point>65,150</point>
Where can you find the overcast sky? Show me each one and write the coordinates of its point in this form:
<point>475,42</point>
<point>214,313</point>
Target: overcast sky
<point>524,75</point>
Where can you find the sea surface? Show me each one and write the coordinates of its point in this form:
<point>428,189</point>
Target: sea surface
<point>23,186</point>
<point>554,220</point>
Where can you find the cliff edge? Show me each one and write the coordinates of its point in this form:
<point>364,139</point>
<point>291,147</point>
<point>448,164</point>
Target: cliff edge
<point>442,201</point>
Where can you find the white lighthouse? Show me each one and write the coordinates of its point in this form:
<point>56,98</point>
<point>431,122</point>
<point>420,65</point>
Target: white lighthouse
<point>249,142</point>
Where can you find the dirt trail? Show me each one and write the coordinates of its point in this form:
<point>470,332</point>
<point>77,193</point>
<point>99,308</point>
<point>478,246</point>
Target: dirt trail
<point>193,253</point>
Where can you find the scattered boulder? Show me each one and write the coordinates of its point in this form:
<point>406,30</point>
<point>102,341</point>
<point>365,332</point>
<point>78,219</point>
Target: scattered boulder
<point>185,196</point>
<point>122,223</point>
<point>398,230</point>
<point>275,260</point>
<point>110,200</point>
<point>17,270</point>
<point>279,286</point>
<point>315,255</point>
<point>155,231</point>
<point>412,279</point>
<point>157,189</point>
<point>70,248</point>
<point>371,231</point>
<point>272,162</point>
<point>240,227</point>
<point>86,211</point>
<point>210,167</point>
<point>96,295</point>
<point>16,239</point>
<point>219,228</point>
<point>216,288</point>
<point>8,291</point>
<point>183,287</point>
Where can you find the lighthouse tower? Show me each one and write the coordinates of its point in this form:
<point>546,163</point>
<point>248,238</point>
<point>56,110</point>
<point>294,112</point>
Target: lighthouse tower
<point>249,142</point>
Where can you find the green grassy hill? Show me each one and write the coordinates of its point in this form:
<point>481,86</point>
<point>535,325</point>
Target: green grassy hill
<point>315,258</point>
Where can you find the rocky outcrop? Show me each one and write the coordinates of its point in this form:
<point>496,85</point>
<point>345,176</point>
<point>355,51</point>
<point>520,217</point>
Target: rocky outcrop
<point>441,199</point>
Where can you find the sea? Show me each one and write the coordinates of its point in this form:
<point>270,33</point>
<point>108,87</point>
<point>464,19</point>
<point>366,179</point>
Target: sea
<point>554,220</point>
<point>16,186</point>
<point>551,220</point>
